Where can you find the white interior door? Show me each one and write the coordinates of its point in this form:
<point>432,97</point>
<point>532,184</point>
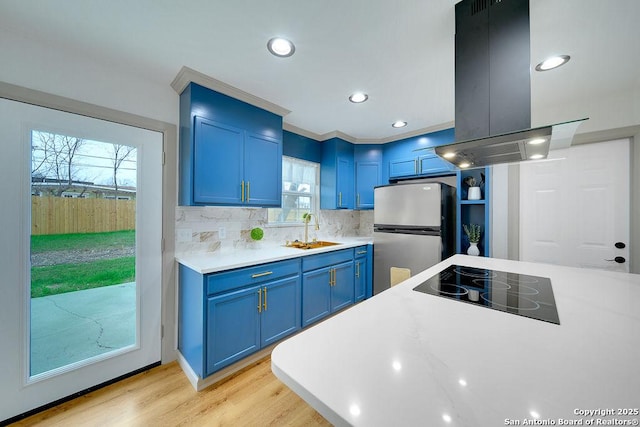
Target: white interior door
<point>574,209</point>
<point>20,389</point>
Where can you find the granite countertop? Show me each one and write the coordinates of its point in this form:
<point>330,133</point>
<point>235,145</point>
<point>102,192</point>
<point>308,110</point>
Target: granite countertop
<point>409,358</point>
<point>211,262</point>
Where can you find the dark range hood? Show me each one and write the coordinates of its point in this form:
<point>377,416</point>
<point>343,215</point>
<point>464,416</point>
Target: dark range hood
<point>493,89</point>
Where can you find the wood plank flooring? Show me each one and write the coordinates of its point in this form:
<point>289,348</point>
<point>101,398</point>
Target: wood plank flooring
<point>163,396</point>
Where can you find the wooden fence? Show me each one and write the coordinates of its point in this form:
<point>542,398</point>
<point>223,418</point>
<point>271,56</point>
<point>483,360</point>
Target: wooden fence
<point>62,215</point>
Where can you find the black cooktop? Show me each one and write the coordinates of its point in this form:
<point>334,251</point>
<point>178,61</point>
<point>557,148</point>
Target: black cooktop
<point>521,294</point>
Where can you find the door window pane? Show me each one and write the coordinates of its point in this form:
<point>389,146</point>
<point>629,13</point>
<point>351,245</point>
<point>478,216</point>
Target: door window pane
<point>83,278</point>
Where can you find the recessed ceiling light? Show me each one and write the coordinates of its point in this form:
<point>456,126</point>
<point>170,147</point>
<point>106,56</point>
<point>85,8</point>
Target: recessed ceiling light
<point>358,97</point>
<point>552,62</point>
<point>536,156</point>
<point>537,141</point>
<point>464,165</point>
<point>449,155</point>
<point>399,124</point>
<point>280,47</point>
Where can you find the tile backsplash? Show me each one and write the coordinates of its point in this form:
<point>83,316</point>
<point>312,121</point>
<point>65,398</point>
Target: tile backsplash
<point>208,229</point>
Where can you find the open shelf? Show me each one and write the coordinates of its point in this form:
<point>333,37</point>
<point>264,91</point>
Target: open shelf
<point>473,211</point>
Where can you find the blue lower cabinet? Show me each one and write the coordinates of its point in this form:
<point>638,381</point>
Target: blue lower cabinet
<point>226,316</point>
<point>361,273</point>
<point>327,285</point>
<point>342,289</point>
<point>280,314</point>
<point>241,322</point>
<point>316,295</point>
<point>233,328</point>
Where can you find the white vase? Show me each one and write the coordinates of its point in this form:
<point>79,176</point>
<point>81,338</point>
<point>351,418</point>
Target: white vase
<point>473,249</point>
<point>474,193</point>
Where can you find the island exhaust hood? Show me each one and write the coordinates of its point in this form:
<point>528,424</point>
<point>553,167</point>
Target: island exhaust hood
<point>493,89</point>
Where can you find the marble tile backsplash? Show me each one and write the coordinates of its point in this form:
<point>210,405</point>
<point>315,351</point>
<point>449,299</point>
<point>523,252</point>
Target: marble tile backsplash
<point>209,229</point>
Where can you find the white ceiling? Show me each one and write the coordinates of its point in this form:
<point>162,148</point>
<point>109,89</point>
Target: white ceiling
<point>399,52</point>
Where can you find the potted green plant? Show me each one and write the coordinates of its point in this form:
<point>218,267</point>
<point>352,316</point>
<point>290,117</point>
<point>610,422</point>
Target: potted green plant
<point>473,233</point>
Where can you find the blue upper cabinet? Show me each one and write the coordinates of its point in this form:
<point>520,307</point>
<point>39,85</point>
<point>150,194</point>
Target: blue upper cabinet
<point>337,175</point>
<point>230,151</point>
<point>368,164</point>
<point>414,157</point>
<point>262,170</point>
<point>217,151</point>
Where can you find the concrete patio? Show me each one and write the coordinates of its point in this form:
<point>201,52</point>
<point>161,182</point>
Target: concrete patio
<point>74,326</point>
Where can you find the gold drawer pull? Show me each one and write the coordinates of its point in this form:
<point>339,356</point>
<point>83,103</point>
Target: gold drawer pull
<point>260,300</point>
<point>361,252</point>
<point>242,191</point>
<point>248,190</point>
<point>264,307</point>
<point>266,273</point>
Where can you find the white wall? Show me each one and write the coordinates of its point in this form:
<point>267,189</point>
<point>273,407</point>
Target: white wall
<point>89,79</point>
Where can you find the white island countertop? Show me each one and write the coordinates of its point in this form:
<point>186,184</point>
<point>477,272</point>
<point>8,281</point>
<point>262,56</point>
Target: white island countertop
<point>263,252</point>
<point>407,358</point>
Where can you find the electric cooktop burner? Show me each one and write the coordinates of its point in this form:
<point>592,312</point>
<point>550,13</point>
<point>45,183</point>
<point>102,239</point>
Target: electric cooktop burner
<point>521,294</point>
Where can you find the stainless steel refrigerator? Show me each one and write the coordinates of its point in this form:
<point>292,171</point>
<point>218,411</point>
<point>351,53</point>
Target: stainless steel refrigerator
<point>414,228</point>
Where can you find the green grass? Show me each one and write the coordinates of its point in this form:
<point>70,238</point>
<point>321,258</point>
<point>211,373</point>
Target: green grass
<point>65,242</point>
<point>58,279</point>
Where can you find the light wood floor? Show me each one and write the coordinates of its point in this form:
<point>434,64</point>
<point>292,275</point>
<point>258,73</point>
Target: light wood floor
<point>163,396</point>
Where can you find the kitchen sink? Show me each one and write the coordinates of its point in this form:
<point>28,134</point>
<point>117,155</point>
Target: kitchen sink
<point>310,245</point>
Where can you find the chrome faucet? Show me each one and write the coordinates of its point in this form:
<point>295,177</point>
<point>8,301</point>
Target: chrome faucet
<point>307,217</point>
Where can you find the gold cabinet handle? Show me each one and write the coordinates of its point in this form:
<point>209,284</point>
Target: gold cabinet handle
<point>331,277</point>
<point>242,191</point>
<point>259,300</point>
<point>264,306</point>
<point>265,273</point>
<point>361,252</point>
<point>340,198</point>
<point>357,269</point>
<point>358,199</point>
<point>248,190</point>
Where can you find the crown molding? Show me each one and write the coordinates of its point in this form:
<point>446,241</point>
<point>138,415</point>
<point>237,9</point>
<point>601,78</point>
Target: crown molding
<point>299,131</point>
<point>187,75</point>
<point>353,140</point>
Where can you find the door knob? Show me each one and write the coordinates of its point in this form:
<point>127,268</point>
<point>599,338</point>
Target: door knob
<point>620,245</point>
<point>617,259</point>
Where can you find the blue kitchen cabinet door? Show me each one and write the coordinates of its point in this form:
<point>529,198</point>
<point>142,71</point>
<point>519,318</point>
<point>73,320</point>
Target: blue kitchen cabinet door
<point>344,183</point>
<point>262,170</point>
<point>342,290</point>
<point>361,275</point>
<point>403,167</point>
<point>367,178</point>
<point>217,163</point>
<point>316,295</point>
<point>233,327</point>
<point>337,184</point>
<point>432,164</point>
<point>281,310</point>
